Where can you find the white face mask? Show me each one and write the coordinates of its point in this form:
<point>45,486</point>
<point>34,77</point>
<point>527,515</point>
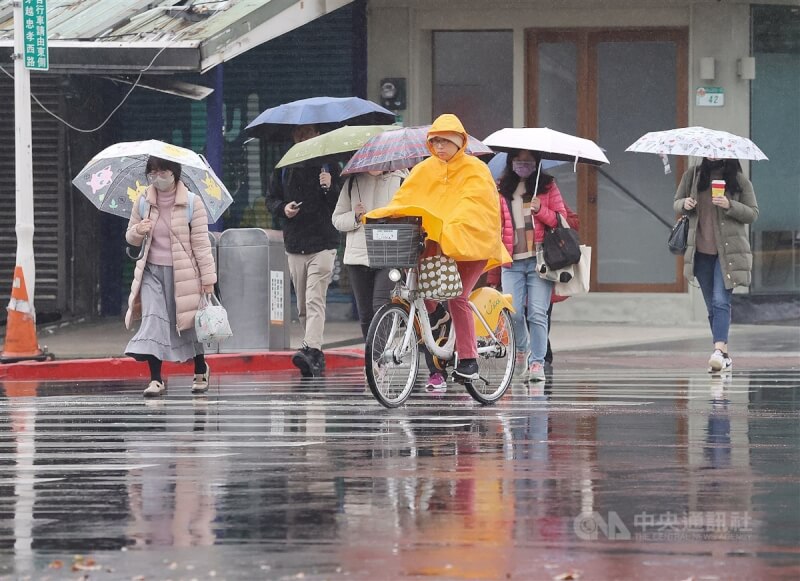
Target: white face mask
<point>163,184</point>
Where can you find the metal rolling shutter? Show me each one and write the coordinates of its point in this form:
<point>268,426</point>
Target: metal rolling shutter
<point>48,187</point>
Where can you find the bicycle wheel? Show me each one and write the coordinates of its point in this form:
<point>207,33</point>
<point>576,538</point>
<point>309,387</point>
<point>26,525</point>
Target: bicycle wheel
<point>496,367</point>
<point>391,373</point>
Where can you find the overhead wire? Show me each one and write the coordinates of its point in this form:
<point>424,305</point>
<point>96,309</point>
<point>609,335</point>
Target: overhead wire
<point>120,104</point>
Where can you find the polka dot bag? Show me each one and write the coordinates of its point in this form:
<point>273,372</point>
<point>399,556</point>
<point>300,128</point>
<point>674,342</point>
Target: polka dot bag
<point>439,278</point>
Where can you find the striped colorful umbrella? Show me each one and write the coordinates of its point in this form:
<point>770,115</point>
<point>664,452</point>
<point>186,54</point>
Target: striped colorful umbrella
<point>400,149</point>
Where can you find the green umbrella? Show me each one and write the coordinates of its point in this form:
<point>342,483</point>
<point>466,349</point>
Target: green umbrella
<point>335,145</point>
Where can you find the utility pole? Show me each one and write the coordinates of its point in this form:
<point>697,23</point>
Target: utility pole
<point>23,156</point>
<point>30,52</point>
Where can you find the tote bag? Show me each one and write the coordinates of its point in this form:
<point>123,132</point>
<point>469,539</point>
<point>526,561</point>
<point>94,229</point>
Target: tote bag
<point>211,320</point>
<point>439,278</point>
<point>579,283</point>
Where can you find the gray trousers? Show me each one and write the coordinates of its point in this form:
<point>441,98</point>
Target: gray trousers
<point>311,274</point>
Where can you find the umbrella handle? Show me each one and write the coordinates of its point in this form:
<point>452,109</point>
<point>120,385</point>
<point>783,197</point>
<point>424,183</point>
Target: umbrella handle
<point>141,250</point>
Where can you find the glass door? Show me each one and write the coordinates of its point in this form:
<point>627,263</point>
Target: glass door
<point>613,86</point>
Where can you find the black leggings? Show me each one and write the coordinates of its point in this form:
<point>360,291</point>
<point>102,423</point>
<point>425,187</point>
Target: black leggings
<point>154,363</point>
<point>372,289</point>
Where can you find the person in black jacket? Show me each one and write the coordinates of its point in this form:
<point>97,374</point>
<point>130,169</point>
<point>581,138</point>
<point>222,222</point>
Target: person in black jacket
<point>305,197</point>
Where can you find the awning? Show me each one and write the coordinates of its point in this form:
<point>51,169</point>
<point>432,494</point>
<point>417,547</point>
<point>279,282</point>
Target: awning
<point>109,36</point>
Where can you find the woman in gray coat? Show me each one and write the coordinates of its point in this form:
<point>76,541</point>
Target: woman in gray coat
<point>718,248</point>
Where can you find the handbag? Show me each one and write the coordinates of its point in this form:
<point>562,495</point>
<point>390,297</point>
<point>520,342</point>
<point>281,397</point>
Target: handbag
<point>547,273</point>
<point>561,245</point>
<point>679,235</point>
<point>439,278</point>
<point>579,283</point>
<point>211,320</point>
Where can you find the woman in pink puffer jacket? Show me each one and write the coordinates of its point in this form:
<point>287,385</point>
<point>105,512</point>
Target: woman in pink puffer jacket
<point>175,270</point>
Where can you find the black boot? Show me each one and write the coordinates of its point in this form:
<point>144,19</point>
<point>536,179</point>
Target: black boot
<point>316,360</point>
<point>302,360</point>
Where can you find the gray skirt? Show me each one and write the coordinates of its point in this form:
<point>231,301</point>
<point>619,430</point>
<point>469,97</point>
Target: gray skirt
<point>158,333</point>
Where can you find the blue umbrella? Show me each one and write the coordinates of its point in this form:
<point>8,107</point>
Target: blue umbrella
<point>498,163</point>
<point>277,123</point>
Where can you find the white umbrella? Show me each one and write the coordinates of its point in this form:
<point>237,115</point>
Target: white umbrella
<point>549,144</point>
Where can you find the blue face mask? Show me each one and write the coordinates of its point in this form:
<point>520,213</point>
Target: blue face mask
<point>523,169</point>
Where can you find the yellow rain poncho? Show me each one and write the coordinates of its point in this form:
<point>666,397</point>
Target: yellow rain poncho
<point>457,200</point>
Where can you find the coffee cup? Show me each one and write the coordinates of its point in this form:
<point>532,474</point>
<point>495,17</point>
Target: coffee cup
<point>717,188</point>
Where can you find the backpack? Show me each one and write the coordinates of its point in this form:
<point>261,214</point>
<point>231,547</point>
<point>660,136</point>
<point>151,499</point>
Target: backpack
<point>144,207</point>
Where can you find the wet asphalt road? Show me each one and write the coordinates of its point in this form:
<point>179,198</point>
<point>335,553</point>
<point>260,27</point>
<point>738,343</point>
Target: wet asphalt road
<point>607,471</point>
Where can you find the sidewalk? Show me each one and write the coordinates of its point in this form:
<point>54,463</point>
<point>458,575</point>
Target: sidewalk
<point>107,337</point>
<point>93,349</point>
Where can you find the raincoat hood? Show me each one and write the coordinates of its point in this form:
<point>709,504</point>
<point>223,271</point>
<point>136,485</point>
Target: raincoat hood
<point>457,201</point>
<point>447,123</point>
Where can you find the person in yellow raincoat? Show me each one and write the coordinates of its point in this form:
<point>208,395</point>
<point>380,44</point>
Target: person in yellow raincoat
<point>456,197</point>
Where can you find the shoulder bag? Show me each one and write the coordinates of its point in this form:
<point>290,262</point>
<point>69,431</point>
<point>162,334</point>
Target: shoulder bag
<point>679,235</point>
<point>561,245</point>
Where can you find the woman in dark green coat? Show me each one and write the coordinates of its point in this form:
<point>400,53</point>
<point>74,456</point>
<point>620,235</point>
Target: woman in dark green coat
<point>718,247</point>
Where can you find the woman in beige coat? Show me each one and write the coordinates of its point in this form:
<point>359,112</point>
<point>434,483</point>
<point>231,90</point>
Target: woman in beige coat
<point>172,275</point>
<point>361,193</point>
<point>718,251</point>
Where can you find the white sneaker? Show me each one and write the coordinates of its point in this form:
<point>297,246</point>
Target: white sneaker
<point>200,381</point>
<point>719,361</point>
<point>521,364</point>
<point>155,389</point>
<point>536,373</point>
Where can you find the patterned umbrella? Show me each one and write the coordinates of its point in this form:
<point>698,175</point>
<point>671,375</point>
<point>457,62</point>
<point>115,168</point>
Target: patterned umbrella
<point>331,146</point>
<point>699,142</point>
<point>400,149</point>
<point>115,178</point>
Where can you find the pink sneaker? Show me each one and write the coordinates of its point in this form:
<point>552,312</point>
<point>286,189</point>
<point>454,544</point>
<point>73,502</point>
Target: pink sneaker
<point>536,372</point>
<point>436,383</point>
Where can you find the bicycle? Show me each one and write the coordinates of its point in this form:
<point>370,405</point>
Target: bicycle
<point>393,342</point>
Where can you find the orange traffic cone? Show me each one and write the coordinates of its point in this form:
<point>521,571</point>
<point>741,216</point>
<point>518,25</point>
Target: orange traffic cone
<point>21,343</point>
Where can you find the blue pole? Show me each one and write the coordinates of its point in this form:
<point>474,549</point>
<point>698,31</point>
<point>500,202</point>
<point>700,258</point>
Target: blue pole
<point>215,139</point>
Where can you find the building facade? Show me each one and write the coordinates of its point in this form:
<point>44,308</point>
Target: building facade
<point>609,70</point>
<point>612,70</point>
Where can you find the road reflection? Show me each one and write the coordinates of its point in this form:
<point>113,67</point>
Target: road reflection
<point>599,467</point>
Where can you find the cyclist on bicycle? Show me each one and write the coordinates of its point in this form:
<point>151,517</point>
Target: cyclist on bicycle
<point>456,197</point>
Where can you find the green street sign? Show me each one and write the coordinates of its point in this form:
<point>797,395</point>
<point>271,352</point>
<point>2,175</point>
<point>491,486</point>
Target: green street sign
<point>34,32</point>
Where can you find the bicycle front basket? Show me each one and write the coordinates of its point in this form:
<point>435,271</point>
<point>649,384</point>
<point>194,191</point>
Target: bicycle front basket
<point>394,242</point>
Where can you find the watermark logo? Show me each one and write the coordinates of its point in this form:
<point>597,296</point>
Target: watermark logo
<point>589,526</point>
<point>665,527</point>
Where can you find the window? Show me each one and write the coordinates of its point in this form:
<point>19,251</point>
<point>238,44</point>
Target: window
<point>775,128</point>
<point>473,78</point>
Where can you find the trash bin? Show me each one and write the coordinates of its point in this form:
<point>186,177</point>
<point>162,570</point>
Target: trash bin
<point>253,278</point>
<point>213,237</point>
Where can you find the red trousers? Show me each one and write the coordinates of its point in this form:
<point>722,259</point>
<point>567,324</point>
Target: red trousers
<point>461,312</point>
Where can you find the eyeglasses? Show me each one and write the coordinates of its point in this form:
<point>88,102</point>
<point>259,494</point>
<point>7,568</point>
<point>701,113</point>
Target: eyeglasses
<point>439,141</point>
<point>159,172</point>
